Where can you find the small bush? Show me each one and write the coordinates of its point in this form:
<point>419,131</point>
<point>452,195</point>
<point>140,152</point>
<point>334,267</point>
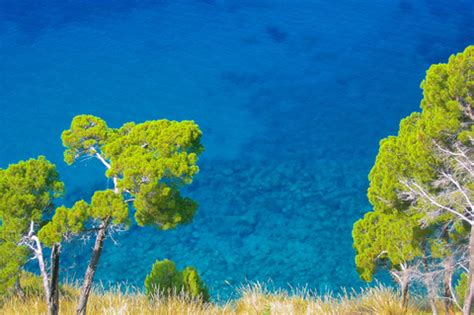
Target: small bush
<point>165,279</point>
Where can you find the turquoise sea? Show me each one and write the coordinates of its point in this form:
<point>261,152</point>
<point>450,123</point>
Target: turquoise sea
<point>292,96</point>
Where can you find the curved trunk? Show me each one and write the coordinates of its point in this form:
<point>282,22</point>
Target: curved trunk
<point>91,268</point>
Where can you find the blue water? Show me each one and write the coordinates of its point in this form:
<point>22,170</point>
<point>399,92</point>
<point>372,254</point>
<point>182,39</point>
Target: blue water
<point>292,96</point>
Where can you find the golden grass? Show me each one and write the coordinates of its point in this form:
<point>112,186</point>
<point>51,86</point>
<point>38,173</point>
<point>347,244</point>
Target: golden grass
<point>255,299</point>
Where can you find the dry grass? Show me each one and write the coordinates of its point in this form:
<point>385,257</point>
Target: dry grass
<point>255,299</point>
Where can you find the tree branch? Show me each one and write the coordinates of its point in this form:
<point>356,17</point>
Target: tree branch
<point>431,199</point>
<point>98,156</point>
<point>460,189</point>
<point>107,165</point>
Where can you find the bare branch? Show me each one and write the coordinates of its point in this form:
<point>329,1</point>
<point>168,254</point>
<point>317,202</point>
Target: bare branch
<point>100,158</point>
<point>419,190</point>
<point>460,189</point>
<point>461,157</point>
<point>107,165</point>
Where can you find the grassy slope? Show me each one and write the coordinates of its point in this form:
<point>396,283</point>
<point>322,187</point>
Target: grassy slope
<point>255,299</point>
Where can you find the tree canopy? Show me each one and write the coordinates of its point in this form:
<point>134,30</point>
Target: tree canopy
<point>148,161</point>
<point>413,184</point>
<point>27,191</point>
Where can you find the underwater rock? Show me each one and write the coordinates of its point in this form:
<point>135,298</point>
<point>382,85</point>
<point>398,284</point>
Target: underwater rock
<point>276,34</point>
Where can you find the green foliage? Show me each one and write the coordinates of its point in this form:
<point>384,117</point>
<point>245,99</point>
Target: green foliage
<point>107,204</point>
<point>193,284</point>
<point>448,96</point>
<point>150,162</point>
<point>86,133</point>
<point>401,156</point>
<point>384,182</point>
<point>163,275</point>
<point>12,258</point>
<point>388,239</point>
<point>32,286</point>
<point>165,279</point>
<point>162,204</point>
<point>65,222</point>
<point>461,287</point>
<point>160,149</point>
<point>392,232</point>
<point>446,105</point>
<point>72,221</point>
<point>27,190</point>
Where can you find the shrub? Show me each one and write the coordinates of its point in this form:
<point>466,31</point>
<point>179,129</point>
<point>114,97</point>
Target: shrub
<point>165,279</point>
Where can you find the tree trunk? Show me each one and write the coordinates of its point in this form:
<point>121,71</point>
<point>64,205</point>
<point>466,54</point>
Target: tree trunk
<point>404,286</point>
<point>91,268</point>
<point>42,267</point>
<point>53,305</point>
<point>448,276</point>
<point>448,294</point>
<point>430,287</point>
<point>470,289</point>
<point>401,277</point>
<point>19,289</point>
<point>432,300</point>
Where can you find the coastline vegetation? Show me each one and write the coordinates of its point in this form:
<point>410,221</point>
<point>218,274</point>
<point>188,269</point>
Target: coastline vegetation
<point>256,298</point>
<point>420,228</point>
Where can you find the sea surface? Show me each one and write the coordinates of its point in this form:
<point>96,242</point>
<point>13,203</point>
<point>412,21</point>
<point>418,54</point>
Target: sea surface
<point>292,97</point>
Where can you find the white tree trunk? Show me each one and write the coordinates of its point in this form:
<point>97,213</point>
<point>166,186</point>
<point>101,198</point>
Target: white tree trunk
<point>42,267</point>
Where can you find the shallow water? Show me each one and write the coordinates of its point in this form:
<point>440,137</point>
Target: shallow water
<point>292,96</point>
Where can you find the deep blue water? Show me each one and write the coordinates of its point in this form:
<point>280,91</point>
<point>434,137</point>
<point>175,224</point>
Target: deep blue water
<point>292,96</point>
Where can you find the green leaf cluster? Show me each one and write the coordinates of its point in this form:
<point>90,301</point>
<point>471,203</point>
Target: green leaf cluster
<point>27,190</point>
<point>72,221</point>
<point>86,133</point>
<point>165,279</point>
<point>107,204</point>
<point>66,221</point>
<point>386,239</point>
<point>149,161</point>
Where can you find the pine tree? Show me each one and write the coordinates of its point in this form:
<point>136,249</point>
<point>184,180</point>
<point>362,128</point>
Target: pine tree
<point>425,174</point>
<point>148,164</point>
<point>27,192</point>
